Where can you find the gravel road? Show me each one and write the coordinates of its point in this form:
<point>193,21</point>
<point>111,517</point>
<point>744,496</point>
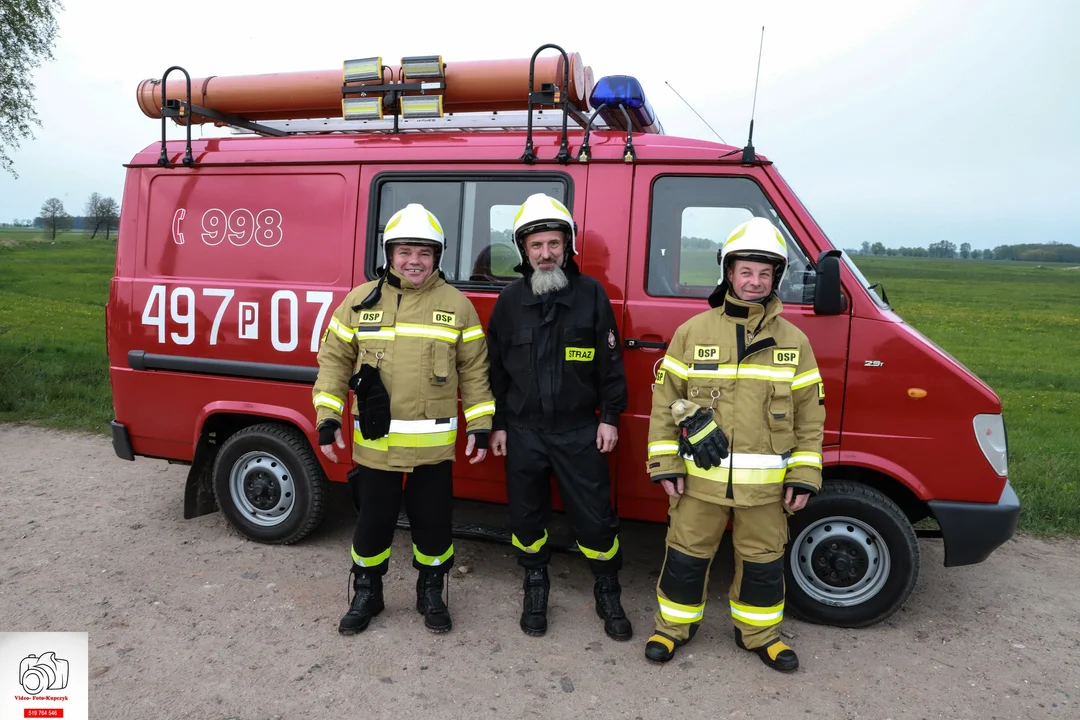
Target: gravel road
<point>187,619</point>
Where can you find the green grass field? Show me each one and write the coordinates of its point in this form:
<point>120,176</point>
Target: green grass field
<point>1016,325</point>
<point>53,367</point>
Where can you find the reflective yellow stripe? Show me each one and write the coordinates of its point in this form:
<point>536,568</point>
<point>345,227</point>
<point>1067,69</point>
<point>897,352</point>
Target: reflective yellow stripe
<point>600,555</point>
<point>754,461</point>
<point>676,613</point>
<point>341,330</point>
<point>721,371</point>
<point>666,642</point>
<point>776,648</point>
<point>487,408</point>
<point>806,379</point>
<point>766,372</point>
<point>700,434</point>
<point>327,400</point>
<point>473,333</point>
<point>383,333</point>
<point>744,372</point>
<point>421,427</point>
<point>428,331</point>
<point>739,476</point>
<point>674,366</point>
<point>812,459</point>
<point>757,616</point>
<point>534,548</point>
<point>370,561</point>
<point>432,560</point>
<point>406,440</point>
<point>663,447</point>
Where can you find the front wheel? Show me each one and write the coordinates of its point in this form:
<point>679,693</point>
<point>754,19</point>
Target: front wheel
<point>269,484</point>
<point>853,559</point>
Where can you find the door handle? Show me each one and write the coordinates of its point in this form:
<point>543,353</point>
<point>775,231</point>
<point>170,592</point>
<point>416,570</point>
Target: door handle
<point>635,343</point>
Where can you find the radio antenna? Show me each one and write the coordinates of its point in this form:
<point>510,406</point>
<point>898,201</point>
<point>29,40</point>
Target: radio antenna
<point>748,156</point>
<point>695,112</point>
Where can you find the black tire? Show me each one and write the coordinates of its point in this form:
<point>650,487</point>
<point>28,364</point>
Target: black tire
<point>269,485</point>
<point>853,558</point>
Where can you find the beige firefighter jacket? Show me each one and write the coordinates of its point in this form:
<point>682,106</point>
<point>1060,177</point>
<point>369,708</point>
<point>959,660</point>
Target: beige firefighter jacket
<point>769,402</point>
<point>427,343</point>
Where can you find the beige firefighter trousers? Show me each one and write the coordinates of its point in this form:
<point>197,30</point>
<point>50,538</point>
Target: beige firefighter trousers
<point>756,595</point>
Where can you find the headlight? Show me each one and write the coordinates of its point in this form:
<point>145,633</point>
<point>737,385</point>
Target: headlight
<point>990,432</point>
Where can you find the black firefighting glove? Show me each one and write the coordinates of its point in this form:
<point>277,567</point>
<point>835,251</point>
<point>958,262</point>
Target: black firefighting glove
<point>326,431</point>
<point>702,439</point>
<point>481,442</point>
<point>372,402</point>
<point>797,490</point>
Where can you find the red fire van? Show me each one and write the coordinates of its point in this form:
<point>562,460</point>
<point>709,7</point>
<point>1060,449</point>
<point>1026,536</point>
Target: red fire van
<point>233,252</point>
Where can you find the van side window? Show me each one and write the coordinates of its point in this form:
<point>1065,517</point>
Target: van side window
<point>477,218</point>
<point>691,217</point>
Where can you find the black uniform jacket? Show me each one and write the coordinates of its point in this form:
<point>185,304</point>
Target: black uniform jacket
<point>556,360</point>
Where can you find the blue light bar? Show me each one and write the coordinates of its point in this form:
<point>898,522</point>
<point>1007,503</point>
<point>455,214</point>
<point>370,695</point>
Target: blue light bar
<point>625,91</point>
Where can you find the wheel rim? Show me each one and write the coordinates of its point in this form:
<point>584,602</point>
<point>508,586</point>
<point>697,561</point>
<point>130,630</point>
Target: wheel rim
<point>840,561</point>
<point>262,489</point>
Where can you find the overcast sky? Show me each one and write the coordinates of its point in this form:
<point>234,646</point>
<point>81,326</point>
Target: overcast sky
<point>904,122</point>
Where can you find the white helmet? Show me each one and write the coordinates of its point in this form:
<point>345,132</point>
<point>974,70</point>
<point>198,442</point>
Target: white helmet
<point>414,224</point>
<point>756,239</point>
<point>542,212</point>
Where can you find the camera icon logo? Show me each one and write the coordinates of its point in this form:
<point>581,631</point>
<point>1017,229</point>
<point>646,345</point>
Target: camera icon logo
<point>43,672</point>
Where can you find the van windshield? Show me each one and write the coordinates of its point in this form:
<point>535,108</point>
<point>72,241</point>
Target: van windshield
<point>844,256</point>
<point>862,280</point>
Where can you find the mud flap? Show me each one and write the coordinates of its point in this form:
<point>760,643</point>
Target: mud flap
<point>199,497</point>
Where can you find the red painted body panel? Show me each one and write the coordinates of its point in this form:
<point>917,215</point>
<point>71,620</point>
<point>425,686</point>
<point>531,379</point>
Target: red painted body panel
<point>273,234</point>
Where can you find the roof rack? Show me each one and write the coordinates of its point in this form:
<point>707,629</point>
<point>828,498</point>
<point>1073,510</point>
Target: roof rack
<point>422,94</point>
<point>463,122</point>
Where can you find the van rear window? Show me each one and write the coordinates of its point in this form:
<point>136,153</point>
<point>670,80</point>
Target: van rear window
<point>477,215</point>
<point>690,218</point>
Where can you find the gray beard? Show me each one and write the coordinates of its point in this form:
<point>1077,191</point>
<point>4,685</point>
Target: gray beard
<point>545,281</point>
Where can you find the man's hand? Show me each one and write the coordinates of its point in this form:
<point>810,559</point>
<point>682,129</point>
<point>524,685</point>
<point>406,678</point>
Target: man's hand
<point>328,450</point>
<point>498,442</point>
<point>674,489</point>
<point>470,445</point>
<point>607,436</point>
<point>793,501</point>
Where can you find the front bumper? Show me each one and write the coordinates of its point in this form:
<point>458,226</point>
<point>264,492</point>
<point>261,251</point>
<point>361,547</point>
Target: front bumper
<point>974,530</point>
<point>121,441</point>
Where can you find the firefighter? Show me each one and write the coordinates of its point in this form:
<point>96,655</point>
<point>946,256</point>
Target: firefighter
<point>736,430</point>
<point>559,385</point>
<point>404,345</point>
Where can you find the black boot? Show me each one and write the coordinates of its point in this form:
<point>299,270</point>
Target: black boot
<point>776,654</point>
<point>534,611</point>
<point>608,596</point>
<point>429,602</point>
<point>367,602</point>
<point>661,646</point>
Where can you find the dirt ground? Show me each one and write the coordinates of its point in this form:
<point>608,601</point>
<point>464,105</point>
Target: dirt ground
<point>187,619</point>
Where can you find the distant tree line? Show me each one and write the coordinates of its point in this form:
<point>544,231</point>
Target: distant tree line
<point>1032,252</point>
<point>101,215</point>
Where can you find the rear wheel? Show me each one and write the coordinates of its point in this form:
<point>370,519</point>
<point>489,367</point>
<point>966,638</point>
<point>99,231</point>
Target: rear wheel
<point>269,484</point>
<point>853,559</point>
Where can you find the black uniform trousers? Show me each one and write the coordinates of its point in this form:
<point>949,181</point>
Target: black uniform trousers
<point>584,487</point>
<point>429,495</point>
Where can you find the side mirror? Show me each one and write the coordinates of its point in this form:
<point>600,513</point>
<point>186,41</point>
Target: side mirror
<point>829,298</point>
